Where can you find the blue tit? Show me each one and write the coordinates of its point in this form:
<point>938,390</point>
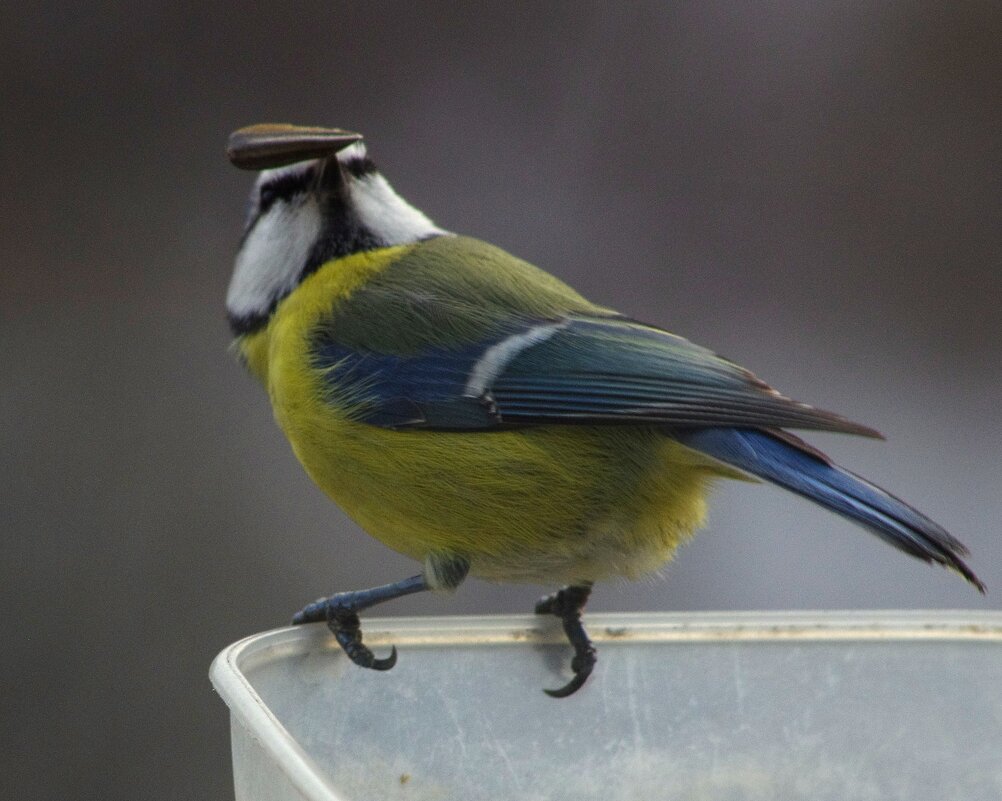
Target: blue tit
<point>477,414</point>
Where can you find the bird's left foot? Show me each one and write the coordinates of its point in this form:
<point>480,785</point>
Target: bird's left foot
<point>567,604</point>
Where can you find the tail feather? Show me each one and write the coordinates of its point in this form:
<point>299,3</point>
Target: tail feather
<point>783,460</point>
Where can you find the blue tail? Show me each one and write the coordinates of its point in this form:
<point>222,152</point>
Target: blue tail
<point>782,459</point>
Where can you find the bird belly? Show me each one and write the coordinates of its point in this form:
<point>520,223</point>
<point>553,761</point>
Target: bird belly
<point>542,505</point>
<point>546,504</point>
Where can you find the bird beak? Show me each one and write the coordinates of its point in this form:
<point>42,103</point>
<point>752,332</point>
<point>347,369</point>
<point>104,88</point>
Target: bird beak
<point>269,145</point>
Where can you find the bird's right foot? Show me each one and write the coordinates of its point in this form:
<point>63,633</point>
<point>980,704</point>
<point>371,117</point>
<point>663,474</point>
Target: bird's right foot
<point>340,613</point>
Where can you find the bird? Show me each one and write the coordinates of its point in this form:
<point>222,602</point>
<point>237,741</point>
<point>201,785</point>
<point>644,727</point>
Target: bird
<point>477,414</point>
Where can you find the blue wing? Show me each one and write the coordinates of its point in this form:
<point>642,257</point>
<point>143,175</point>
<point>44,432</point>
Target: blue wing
<point>783,460</point>
<point>574,370</point>
<point>615,371</point>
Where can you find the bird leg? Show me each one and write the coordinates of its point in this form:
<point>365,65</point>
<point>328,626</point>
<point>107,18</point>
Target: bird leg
<point>441,572</point>
<point>567,604</point>
<point>340,612</point>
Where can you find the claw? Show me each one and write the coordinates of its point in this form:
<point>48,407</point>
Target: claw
<point>362,655</point>
<point>567,604</point>
<point>340,612</point>
<point>387,662</point>
<point>582,666</point>
<point>346,628</point>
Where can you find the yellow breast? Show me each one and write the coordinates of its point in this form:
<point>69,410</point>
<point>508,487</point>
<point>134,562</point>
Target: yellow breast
<point>547,504</point>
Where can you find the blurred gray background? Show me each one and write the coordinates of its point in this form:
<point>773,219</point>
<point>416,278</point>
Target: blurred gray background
<point>810,189</point>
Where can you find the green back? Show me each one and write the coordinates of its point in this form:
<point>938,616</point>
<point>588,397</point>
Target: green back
<point>447,292</point>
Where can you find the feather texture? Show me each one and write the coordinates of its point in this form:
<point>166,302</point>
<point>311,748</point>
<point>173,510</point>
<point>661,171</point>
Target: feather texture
<point>808,473</point>
<point>576,370</point>
<point>456,400</point>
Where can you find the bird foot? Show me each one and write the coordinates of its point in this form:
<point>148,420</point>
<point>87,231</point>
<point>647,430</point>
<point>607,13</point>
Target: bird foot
<point>340,613</point>
<point>567,604</point>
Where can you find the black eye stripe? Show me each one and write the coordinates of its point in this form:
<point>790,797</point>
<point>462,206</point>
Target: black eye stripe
<point>359,166</point>
<point>283,187</point>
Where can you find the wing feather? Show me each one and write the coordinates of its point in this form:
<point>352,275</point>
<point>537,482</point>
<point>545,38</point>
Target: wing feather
<point>586,370</point>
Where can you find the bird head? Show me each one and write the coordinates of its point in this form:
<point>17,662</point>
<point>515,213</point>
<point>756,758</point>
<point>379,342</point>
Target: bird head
<point>318,197</point>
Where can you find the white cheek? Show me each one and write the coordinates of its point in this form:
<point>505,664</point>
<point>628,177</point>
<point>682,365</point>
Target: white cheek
<point>272,257</point>
<point>383,212</point>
